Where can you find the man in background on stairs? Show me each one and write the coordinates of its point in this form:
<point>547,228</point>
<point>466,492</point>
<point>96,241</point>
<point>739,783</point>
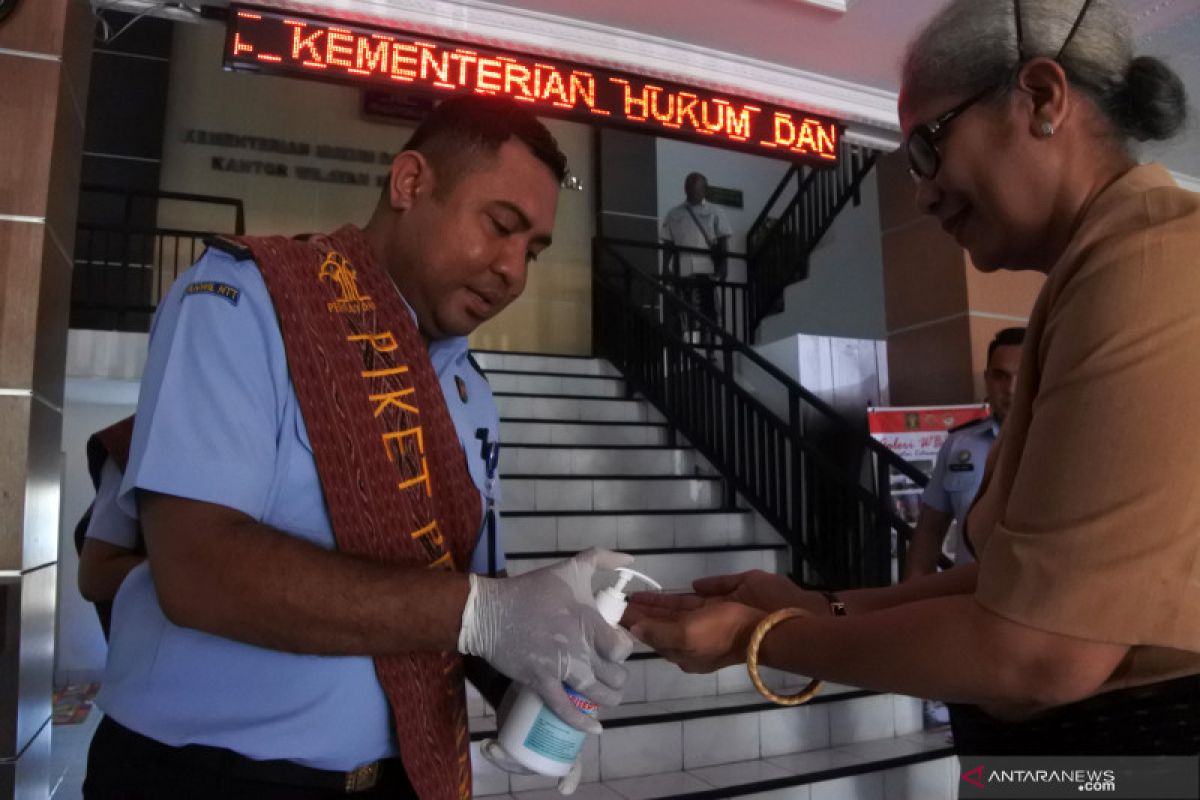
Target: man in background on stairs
<point>959,467</point>
<point>699,225</point>
<point>313,466</point>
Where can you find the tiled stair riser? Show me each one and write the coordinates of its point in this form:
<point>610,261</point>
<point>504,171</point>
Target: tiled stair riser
<point>580,433</point>
<point>791,740</point>
<point>610,494</point>
<point>533,460</point>
<point>575,409</point>
<point>541,533</point>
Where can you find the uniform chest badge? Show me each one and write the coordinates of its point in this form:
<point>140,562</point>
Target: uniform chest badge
<point>963,459</point>
<point>462,388</point>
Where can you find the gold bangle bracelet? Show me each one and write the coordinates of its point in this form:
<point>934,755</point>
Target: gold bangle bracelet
<point>805,694</point>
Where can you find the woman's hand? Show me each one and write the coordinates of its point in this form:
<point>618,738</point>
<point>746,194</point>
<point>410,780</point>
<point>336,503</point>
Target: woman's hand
<point>698,635</point>
<point>766,591</point>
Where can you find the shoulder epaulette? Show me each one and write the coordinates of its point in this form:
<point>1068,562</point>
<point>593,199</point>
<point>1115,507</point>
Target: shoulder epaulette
<point>475,364</point>
<point>966,425</point>
<point>231,246</point>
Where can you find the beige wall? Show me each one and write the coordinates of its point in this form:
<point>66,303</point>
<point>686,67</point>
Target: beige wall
<point>941,311</point>
<point>554,315</point>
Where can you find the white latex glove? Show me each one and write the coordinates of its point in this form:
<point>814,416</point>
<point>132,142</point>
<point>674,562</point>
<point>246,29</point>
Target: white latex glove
<point>494,752</point>
<point>542,629</point>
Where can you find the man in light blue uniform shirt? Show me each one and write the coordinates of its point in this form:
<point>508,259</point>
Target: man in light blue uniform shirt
<point>958,470</point>
<point>210,435</point>
<point>956,477</point>
<point>240,663</point>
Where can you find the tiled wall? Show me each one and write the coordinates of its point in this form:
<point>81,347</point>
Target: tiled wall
<point>941,311</point>
<point>45,53</point>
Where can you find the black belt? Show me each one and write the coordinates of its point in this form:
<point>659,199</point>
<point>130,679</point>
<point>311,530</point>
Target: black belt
<point>227,762</point>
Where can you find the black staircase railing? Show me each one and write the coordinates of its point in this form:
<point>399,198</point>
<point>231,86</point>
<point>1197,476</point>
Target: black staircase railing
<point>803,467</point>
<point>125,261</point>
<point>731,298</point>
<point>781,241</point>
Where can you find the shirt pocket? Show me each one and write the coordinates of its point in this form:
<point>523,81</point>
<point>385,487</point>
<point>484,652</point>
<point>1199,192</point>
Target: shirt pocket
<point>959,482</point>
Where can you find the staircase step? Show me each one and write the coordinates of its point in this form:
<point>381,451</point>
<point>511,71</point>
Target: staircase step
<point>539,362</point>
<point>586,466</point>
<point>640,529</point>
<point>629,460</point>
<point>538,431</point>
<point>559,383</point>
<point>910,769</point>
<point>610,492</point>
<point>572,408</point>
<point>842,729</point>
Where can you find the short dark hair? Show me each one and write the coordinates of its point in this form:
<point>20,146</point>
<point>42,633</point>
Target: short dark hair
<point>1009,337</point>
<point>462,130</point>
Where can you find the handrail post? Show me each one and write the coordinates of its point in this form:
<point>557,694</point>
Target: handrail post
<point>796,483</point>
<point>883,530</point>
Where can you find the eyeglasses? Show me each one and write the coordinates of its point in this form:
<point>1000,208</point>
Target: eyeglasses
<point>924,158</point>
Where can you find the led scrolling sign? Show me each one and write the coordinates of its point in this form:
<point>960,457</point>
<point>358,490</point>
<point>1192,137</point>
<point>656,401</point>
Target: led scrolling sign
<point>291,44</point>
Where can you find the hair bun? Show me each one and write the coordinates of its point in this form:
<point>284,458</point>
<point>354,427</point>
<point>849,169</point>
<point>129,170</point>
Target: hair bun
<point>1153,100</point>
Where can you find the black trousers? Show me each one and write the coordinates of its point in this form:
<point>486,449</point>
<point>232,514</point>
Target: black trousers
<point>125,765</point>
<point>701,292</point>
<point>1152,720</point>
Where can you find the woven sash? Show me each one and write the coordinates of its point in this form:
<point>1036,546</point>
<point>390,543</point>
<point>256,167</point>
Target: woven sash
<point>393,474</point>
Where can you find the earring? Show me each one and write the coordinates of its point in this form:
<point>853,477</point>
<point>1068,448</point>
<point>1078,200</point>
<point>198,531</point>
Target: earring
<point>1047,129</point>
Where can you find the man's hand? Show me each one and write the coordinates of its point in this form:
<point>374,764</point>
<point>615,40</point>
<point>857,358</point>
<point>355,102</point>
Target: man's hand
<point>702,638</point>
<point>494,752</point>
<point>542,629</point>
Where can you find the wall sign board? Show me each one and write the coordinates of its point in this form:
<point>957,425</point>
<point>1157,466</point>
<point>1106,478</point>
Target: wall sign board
<point>274,42</point>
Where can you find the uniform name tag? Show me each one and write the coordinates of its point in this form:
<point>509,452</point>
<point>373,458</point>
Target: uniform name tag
<point>230,293</point>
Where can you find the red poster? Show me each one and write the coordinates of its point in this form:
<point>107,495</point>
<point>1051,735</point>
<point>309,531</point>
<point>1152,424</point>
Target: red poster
<point>916,433</point>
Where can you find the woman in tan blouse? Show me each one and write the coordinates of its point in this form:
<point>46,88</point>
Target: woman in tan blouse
<point>1084,609</point>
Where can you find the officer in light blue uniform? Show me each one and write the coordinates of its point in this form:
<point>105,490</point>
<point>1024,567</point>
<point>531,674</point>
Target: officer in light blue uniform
<point>219,422</point>
<point>957,474</point>
<point>958,471</point>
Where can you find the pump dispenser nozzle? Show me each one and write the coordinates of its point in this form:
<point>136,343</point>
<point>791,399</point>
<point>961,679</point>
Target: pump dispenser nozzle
<point>611,602</point>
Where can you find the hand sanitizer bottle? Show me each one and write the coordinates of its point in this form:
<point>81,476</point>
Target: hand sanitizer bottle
<point>533,735</point>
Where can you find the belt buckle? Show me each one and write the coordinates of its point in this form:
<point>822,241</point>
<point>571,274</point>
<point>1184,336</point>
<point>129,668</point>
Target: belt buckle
<point>362,777</point>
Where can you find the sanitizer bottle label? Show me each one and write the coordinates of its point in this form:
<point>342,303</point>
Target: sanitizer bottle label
<point>554,739</point>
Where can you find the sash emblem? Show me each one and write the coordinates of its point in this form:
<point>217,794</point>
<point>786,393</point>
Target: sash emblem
<point>336,269</point>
